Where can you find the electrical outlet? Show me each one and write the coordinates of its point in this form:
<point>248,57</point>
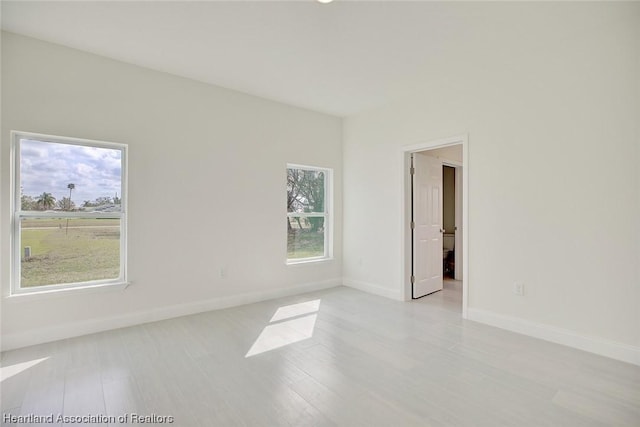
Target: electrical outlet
<point>518,288</point>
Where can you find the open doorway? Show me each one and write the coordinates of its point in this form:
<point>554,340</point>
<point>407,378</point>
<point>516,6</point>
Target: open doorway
<point>435,217</point>
<point>450,217</point>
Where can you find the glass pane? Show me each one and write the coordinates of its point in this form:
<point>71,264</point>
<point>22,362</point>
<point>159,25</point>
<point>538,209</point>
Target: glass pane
<point>305,191</point>
<point>55,176</point>
<point>305,237</point>
<point>57,250</point>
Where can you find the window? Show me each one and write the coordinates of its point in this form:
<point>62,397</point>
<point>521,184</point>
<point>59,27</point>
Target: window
<point>69,212</point>
<point>308,208</point>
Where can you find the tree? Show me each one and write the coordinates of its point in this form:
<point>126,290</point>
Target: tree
<point>103,200</point>
<point>27,203</point>
<point>313,190</point>
<point>70,187</point>
<point>305,193</point>
<point>66,204</point>
<point>292,194</point>
<point>45,201</point>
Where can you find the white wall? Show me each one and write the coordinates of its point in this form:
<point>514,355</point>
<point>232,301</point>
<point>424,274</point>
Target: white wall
<point>549,96</point>
<point>207,182</point>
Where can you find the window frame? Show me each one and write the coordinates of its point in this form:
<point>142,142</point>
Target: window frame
<point>327,215</point>
<point>17,214</point>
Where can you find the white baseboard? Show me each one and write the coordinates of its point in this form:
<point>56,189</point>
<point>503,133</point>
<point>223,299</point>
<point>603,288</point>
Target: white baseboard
<point>614,350</point>
<point>373,289</point>
<point>70,330</point>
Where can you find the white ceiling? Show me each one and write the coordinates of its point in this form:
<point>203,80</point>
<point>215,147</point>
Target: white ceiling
<point>340,58</point>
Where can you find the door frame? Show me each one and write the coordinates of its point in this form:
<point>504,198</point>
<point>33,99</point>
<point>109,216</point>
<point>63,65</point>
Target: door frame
<point>405,231</point>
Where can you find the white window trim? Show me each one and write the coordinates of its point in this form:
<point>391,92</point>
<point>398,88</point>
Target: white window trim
<point>327,215</point>
<point>17,214</point>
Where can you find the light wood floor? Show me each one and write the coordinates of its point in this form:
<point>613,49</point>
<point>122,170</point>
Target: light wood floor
<point>336,357</point>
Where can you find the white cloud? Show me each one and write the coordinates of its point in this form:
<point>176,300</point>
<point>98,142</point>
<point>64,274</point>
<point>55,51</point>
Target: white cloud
<point>50,167</point>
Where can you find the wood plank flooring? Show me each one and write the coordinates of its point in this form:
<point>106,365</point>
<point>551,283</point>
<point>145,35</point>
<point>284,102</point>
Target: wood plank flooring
<point>338,357</point>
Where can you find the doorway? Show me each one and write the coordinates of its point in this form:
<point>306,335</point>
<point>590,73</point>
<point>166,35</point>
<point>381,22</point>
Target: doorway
<point>432,248</point>
<point>449,217</point>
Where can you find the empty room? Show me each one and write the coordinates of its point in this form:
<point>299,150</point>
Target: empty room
<point>320,213</point>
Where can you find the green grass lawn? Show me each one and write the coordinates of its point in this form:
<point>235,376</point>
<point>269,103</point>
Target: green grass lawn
<point>304,244</point>
<point>88,249</point>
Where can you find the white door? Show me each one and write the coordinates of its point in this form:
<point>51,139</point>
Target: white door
<point>427,232</point>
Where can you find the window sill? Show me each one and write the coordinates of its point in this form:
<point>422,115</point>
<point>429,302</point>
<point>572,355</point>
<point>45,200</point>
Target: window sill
<point>309,261</point>
<point>53,293</point>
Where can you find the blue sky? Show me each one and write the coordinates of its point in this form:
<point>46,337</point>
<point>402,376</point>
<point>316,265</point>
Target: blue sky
<point>50,167</point>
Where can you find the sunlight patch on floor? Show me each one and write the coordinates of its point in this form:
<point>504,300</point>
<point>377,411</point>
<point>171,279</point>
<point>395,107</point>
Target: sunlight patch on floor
<point>11,370</point>
<point>294,323</point>
<point>293,310</point>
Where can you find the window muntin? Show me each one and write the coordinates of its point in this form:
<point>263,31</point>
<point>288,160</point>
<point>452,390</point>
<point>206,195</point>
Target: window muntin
<point>308,222</point>
<point>69,213</point>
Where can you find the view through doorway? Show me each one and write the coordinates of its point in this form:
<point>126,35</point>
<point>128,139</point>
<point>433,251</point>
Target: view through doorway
<point>435,214</point>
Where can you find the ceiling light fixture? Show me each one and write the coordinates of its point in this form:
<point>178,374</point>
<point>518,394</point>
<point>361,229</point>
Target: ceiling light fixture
<point>324,1</point>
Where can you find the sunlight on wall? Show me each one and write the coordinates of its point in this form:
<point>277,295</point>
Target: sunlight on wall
<point>11,370</point>
<point>300,323</point>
